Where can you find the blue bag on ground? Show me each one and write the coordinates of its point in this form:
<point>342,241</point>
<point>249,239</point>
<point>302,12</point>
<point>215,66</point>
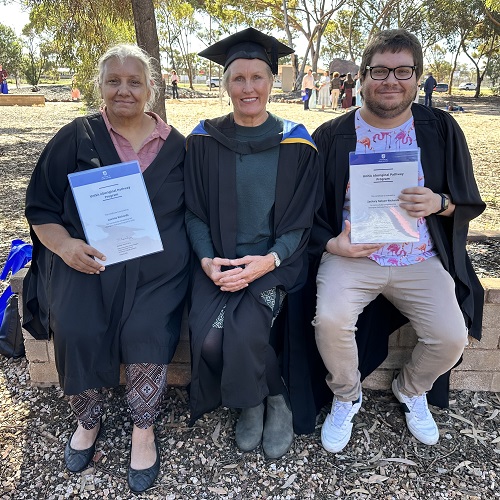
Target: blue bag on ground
<point>19,255</point>
<point>11,337</point>
<point>4,298</point>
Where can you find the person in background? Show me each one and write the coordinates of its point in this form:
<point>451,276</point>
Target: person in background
<point>251,194</point>
<point>130,312</point>
<point>324,91</point>
<point>335,90</point>
<point>347,86</point>
<point>429,86</point>
<point>307,88</point>
<point>355,90</point>
<point>366,291</point>
<point>174,80</point>
<point>4,88</point>
<point>75,91</point>
<point>341,95</point>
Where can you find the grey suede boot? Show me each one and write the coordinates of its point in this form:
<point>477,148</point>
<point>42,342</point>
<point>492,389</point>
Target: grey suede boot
<point>278,429</point>
<point>249,428</point>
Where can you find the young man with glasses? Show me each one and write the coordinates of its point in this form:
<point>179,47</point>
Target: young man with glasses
<point>367,290</point>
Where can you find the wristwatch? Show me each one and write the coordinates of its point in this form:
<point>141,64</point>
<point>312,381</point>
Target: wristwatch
<point>445,203</point>
<point>277,260</point>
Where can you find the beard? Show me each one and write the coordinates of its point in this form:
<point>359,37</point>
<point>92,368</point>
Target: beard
<point>389,109</point>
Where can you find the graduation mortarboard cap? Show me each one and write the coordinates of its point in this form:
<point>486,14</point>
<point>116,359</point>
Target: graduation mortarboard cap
<point>247,44</point>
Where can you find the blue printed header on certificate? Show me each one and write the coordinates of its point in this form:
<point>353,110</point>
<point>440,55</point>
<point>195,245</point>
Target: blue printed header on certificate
<point>115,211</point>
<point>385,157</point>
<point>103,174</point>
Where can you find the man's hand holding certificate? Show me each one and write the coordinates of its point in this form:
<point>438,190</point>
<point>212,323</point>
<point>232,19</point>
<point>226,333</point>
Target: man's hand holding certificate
<point>376,181</point>
<point>116,212</point>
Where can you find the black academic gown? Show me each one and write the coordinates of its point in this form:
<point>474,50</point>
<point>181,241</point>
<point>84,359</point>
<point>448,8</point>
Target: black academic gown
<point>211,195</point>
<point>447,167</point>
<point>131,312</point>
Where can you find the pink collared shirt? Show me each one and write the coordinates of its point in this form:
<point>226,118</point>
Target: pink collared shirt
<point>149,148</point>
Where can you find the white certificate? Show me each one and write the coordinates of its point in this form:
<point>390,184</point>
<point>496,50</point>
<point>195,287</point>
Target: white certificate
<point>116,211</point>
<point>376,180</point>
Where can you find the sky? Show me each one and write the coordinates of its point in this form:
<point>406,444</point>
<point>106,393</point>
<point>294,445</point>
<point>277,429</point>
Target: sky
<point>13,16</point>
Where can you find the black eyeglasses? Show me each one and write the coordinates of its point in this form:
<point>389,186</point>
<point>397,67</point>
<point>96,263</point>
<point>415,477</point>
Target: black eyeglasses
<point>400,73</point>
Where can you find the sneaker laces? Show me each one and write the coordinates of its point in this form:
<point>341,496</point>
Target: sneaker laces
<point>342,413</point>
<point>418,406</point>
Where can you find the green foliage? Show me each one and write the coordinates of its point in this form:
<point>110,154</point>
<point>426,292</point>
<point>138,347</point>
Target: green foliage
<point>176,25</point>
<point>31,70</point>
<point>40,56</point>
<point>81,32</point>
<point>350,28</point>
<point>344,37</point>
<point>34,61</point>
<point>467,29</point>
<point>10,50</point>
<point>439,65</point>
<point>494,72</point>
<point>233,13</point>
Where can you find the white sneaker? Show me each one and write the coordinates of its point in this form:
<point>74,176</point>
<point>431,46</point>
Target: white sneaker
<point>337,427</point>
<point>418,417</point>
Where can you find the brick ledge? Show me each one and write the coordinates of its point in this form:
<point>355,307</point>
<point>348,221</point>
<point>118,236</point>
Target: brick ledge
<point>480,369</point>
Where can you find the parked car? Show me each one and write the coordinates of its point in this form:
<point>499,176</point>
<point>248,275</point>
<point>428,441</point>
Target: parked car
<point>214,82</point>
<point>467,86</point>
<point>441,87</point>
<point>277,83</point>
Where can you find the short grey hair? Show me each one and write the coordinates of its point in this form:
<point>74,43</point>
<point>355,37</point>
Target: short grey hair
<point>123,51</point>
<point>227,75</point>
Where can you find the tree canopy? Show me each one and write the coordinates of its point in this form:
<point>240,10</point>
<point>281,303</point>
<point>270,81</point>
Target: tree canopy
<point>10,50</point>
<point>331,29</point>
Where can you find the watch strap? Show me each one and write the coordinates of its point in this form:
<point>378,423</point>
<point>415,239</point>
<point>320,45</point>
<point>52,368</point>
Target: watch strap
<point>277,260</point>
<point>445,203</point>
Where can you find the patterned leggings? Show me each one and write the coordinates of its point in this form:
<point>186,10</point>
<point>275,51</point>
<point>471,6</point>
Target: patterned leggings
<point>146,384</point>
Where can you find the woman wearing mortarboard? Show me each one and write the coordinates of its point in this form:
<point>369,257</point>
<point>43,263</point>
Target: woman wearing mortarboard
<point>251,193</point>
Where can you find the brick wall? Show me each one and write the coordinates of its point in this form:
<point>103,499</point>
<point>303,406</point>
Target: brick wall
<point>480,369</point>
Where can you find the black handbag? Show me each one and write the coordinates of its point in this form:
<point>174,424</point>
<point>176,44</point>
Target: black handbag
<point>11,335</point>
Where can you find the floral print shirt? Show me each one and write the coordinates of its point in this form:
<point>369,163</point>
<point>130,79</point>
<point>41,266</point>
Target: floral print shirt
<point>371,139</point>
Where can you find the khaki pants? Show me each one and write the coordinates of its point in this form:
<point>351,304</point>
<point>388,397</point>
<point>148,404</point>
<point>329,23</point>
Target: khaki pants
<point>423,292</point>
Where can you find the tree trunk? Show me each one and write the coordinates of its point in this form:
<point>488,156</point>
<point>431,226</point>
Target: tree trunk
<point>452,72</point>
<point>147,39</point>
<point>295,59</point>
<point>478,73</point>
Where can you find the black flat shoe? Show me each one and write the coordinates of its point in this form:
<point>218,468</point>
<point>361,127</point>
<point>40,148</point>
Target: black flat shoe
<point>141,480</point>
<point>78,460</point>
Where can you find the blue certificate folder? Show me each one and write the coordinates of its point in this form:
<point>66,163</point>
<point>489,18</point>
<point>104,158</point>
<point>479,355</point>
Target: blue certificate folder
<point>115,211</point>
